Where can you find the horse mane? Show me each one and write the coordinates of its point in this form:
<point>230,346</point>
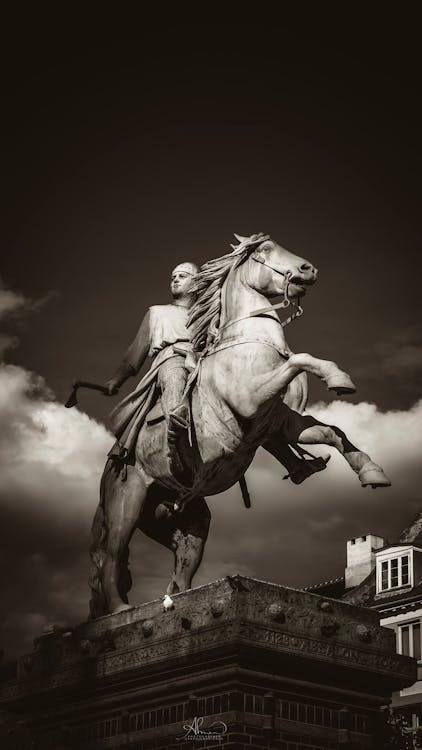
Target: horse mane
<point>204,315</point>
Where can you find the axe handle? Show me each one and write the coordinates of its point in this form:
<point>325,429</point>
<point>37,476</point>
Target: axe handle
<point>87,384</point>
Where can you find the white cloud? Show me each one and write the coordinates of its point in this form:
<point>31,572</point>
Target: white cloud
<point>46,447</point>
<point>15,306</point>
<point>7,342</point>
<point>10,302</point>
<point>51,460</point>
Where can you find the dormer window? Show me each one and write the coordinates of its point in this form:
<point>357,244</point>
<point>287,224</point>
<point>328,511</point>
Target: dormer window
<point>395,572</point>
<point>395,567</point>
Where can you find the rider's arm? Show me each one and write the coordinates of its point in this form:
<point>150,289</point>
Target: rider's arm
<point>134,357</point>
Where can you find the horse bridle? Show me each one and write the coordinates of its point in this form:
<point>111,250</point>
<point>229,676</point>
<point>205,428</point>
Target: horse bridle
<point>287,276</point>
<point>283,304</point>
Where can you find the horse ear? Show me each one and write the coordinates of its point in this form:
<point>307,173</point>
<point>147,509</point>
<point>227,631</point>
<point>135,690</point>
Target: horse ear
<point>254,239</point>
<point>241,240</point>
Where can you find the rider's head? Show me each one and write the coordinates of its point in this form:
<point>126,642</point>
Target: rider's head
<point>181,279</point>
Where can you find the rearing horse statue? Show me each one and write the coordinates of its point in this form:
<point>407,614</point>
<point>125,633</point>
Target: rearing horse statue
<point>236,391</point>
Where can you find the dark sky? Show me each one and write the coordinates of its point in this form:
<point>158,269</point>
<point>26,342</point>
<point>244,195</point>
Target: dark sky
<point>124,154</point>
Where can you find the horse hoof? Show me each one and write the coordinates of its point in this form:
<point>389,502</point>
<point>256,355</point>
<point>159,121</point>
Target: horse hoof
<point>340,383</point>
<point>372,475</point>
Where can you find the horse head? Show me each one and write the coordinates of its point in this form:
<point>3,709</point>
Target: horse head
<point>273,270</point>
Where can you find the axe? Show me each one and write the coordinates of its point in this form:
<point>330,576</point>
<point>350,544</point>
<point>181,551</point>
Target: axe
<point>73,398</point>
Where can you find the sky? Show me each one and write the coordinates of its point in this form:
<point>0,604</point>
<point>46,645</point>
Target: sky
<point>126,154</point>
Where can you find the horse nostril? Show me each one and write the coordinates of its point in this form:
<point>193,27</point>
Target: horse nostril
<point>306,267</point>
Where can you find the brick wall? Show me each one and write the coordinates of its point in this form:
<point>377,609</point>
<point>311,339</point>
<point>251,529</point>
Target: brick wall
<point>253,720</point>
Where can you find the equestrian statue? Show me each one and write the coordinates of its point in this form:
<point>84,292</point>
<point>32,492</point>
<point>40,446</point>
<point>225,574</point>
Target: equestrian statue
<point>222,383</point>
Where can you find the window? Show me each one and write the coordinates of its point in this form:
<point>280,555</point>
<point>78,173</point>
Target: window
<point>409,640</point>
<point>394,573</point>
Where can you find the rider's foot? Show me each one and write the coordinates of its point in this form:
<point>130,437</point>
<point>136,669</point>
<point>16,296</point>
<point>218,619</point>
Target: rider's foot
<point>372,475</point>
<point>306,468</point>
<point>178,423</point>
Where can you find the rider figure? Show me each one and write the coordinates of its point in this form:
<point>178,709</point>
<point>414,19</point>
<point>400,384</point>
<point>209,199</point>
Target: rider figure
<point>164,337</point>
<point>163,330</point>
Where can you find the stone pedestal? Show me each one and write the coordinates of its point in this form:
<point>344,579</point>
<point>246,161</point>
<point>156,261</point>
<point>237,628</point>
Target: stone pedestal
<point>248,664</point>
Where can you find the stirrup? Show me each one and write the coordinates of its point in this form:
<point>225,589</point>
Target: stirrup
<point>307,468</point>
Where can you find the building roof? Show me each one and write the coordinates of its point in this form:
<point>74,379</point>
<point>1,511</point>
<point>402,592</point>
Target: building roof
<point>364,594</point>
<point>334,588</point>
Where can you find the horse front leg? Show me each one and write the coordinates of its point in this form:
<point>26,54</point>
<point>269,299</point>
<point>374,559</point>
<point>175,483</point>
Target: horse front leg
<point>264,387</point>
<point>328,371</point>
<point>369,473</point>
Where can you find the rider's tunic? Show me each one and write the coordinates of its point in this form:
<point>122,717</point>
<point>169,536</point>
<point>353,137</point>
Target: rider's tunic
<point>162,330</point>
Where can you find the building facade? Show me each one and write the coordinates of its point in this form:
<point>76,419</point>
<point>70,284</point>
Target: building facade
<point>388,578</point>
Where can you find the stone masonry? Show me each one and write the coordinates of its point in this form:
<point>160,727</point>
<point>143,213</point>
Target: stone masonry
<point>238,663</point>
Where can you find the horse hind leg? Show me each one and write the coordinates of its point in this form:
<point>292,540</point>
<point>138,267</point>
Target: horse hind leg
<point>188,541</point>
<point>369,473</point>
<point>114,523</point>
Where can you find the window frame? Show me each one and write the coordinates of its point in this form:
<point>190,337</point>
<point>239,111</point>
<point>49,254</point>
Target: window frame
<point>409,624</point>
<point>385,563</point>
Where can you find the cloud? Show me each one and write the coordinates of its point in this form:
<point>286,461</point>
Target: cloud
<point>50,465</point>
<point>406,358</point>
<point>7,342</point>
<point>14,306</point>
<point>10,302</point>
<point>51,460</point>
<point>397,360</point>
<point>297,535</point>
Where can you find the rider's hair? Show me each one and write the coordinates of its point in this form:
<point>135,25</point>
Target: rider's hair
<point>194,266</point>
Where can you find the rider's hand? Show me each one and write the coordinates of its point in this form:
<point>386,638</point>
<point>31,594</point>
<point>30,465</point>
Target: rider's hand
<point>112,387</point>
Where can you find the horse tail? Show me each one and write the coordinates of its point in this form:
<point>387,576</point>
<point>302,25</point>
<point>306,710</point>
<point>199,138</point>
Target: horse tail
<point>98,551</point>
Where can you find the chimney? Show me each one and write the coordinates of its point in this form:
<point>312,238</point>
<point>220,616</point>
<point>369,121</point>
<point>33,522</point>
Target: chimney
<point>361,558</point>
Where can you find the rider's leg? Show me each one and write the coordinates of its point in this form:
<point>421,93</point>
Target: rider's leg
<point>298,468</point>
<point>290,424</point>
<point>172,379</point>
